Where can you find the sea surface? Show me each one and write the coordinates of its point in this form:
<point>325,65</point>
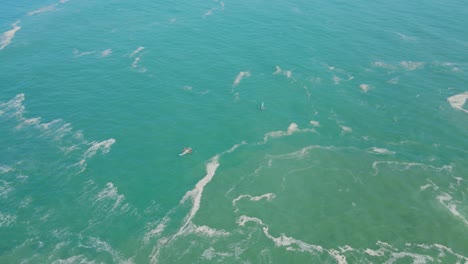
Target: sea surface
<point>360,154</point>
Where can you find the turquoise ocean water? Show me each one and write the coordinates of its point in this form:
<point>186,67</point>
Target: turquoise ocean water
<point>360,155</point>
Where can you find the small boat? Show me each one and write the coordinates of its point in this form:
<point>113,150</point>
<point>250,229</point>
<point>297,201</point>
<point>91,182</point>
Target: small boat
<point>186,150</point>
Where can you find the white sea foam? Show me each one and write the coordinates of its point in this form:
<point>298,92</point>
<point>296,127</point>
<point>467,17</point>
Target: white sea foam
<point>314,123</point>
<point>5,188</point>
<point>291,243</point>
<point>240,76</point>
<point>412,65</point>
<point>102,246</point>
<point>266,196</point>
<point>445,200</point>
<point>196,193</point>
<point>7,36</point>
<point>365,87</point>
<point>458,101</point>
<point>110,192</point>
<point>136,51</point>
<point>208,231</point>
<point>430,184</point>
<point>346,129</point>
<point>278,70</point>
<point>380,64</point>
<point>380,151</point>
<point>43,10</point>
<point>106,52</point>
<point>394,80</point>
<point>210,253</point>
<point>135,62</point>
<point>292,128</point>
<point>209,12</point>
<point>245,219</point>
<point>417,258</point>
<point>409,165</point>
<point>5,169</point>
<point>103,146</point>
<point>77,53</point>
<point>6,219</point>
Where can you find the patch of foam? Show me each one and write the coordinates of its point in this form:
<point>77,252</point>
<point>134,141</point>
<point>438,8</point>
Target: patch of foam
<point>106,53</point>
<point>240,76</point>
<point>314,123</point>
<point>5,188</point>
<point>7,36</point>
<point>209,12</point>
<point>196,193</point>
<point>161,225</point>
<point>380,151</point>
<point>103,246</point>
<point>43,10</point>
<point>445,199</point>
<point>103,146</point>
<point>431,184</point>
<point>458,101</point>
<point>409,165</point>
<point>77,53</point>
<point>243,219</point>
<point>278,70</point>
<point>266,196</point>
<point>291,243</point>
<point>412,65</point>
<point>209,231</point>
<point>380,64</point>
<point>292,129</point>
<point>417,258</point>
<point>6,219</point>
<point>365,87</point>
<point>346,129</point>
<point>5,169</point>
<point>110,192</point>
<point>136,51</point>
<point>210,253</point>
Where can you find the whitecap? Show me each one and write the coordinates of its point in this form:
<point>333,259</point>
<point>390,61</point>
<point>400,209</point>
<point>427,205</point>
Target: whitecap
<point>243,219</point>
<point>411,65</point>
<point>365,87</point>
<point>380,151</point>
<point>266,196</point>
<point>42,10</point>
<point>136,51</point>
<point>346,129</point>
<point>7,36</point>
<point>292,128</point>
<point>6,219</point>
<point>458,101</point>
<point>106,52</point>
<point>240,76</point>
<point>314,123</point>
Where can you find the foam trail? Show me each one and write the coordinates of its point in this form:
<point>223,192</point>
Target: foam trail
<point>408,165</point>
<point>106,53</point>
<point>43,10</point>
<point>278,70</point>
<point>136,51</point>
<point>445,199</point>
<point>7,36</point>
<point>458,101</point>
<point>365,87</point>
<point>380,151</point>
<point>293,128</point>
<point>196,193</point>
<point>266,196</point>
<point>103,146</point>
<point>411,65</point>
<point>314,123</point>
<point>345,129</point>
<point>240,76</point>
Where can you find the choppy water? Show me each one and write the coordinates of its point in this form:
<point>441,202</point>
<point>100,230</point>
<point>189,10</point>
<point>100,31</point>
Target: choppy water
<point>360,155</point>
